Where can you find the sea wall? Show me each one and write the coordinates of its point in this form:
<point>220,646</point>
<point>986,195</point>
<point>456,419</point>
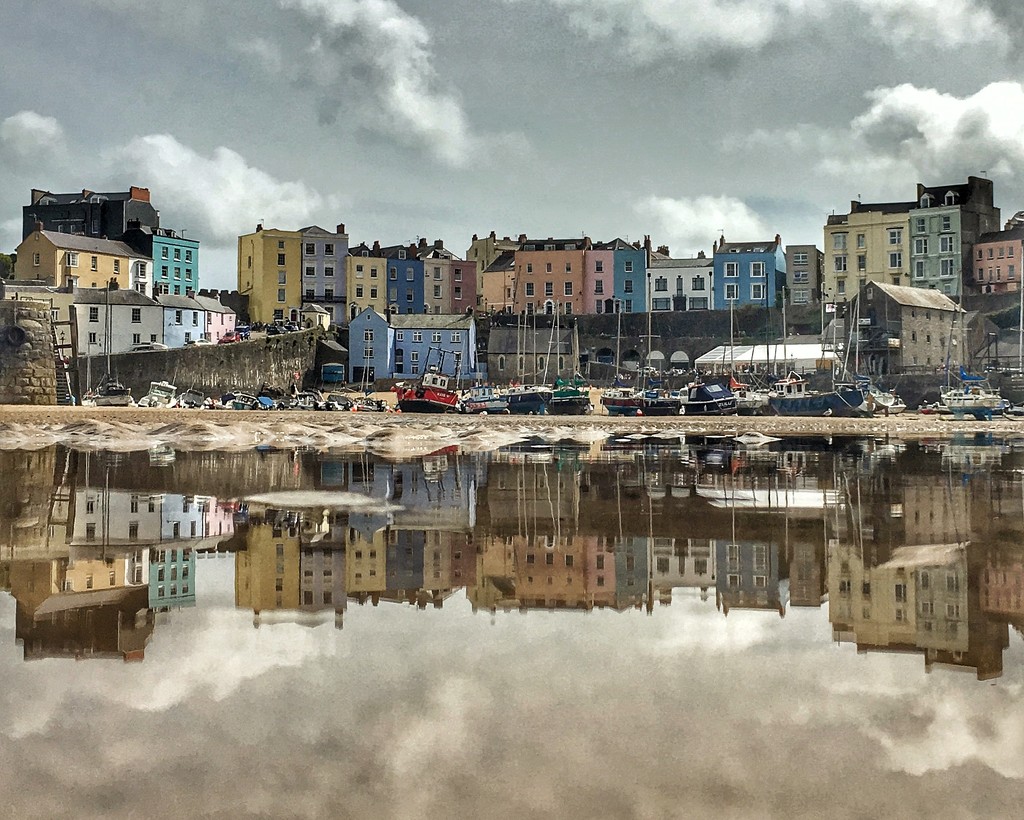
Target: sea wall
<point>27,374</point>
<point>213,369</point>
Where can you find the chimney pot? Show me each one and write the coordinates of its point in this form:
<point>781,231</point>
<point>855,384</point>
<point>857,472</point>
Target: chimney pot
<point>340,228</point>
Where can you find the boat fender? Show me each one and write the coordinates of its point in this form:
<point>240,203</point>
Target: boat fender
<point>682,410</point>
<point>14,335</point>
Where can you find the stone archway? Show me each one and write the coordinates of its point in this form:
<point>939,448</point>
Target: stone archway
<point>656,359</point>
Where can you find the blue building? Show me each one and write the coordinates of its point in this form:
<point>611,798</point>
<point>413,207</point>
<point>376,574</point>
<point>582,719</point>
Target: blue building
<point>749,273</point>
<point>751,576</point>
<point>172,574</point>
<point>629,278</point>
<point>404,280</point>
<point>175,258</point>
<point>403,346</point>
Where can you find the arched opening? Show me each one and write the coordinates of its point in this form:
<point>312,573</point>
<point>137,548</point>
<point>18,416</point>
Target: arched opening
<point>656,359</point>
<point>605,355</point>
<point>549,307</point>
<point>631,360</point>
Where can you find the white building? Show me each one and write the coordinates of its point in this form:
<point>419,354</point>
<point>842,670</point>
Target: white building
<point>111,321</point>
<point>682,284</point>
<point>184,319</point>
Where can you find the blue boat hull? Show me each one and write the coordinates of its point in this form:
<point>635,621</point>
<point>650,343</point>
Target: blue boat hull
<point>843,402</point>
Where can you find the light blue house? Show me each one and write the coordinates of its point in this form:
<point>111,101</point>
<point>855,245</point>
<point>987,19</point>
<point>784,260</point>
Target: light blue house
<point>749,273</point>
<point>175,263</point>
<point>184,320</point>
<point>403,346</point>
<point>323,269</point>
<point>630,275</point>
<point>172,574</point>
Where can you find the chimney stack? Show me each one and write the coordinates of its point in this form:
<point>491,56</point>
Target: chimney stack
<point>663,250</point>
<point>376,246</point>
<point>340,228</point>
<point>522,238</point>
<point>259,227</point>
<point>422,243</point>
<point>438,244</point>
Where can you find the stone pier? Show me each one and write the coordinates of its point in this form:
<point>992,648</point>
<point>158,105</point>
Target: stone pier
<point>27,374</point>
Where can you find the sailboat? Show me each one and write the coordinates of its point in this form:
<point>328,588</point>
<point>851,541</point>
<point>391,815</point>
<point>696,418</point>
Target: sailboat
<point>973,396</point>
<point>110,392</point>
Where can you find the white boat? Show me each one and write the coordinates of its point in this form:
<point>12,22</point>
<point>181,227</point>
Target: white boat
<point>974,397</point>
<point>161,394</point>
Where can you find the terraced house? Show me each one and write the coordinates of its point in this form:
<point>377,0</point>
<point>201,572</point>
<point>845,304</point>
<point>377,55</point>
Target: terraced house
<point>324,270</point>
<point>63,259</point>
<point>270,274</point>
<point>748,273</point>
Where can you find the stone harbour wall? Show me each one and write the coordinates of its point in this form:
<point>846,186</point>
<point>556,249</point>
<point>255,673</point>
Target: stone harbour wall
<point>212,369</point>
<point>27,374</point>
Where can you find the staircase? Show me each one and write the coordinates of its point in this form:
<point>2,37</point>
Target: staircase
<point>63,358</point>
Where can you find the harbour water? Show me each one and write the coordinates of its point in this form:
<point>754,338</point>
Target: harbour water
<point>633,628</point>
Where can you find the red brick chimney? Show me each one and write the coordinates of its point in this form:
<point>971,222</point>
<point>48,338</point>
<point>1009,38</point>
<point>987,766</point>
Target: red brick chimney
<point>140,194</point>
<point>340,228</point>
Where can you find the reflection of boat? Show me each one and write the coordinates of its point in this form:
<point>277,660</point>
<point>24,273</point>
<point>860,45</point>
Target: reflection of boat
<point>754,439</point>
<point>484,399</point>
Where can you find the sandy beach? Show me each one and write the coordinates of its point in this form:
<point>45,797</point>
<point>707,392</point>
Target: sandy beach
<point>409,434</point>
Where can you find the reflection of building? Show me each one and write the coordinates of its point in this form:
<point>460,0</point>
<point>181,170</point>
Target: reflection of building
<point>750,577</point>
<point>683,562</point>
<point>267,570</point>
<point>920,600</point>
<point>172,578</point>
<point>807,574</point>
<point>1002,588</point>
<point>107,619</point>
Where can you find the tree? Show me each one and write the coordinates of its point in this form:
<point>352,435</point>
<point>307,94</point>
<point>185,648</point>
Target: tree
<point>7,265</point>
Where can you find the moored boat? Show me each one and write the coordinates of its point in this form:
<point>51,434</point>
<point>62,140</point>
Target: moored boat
<point>974,397</point>
<point>109,393</point>
<point>622,401</point>
<point>529,399</point>
<point>483,398</point>
<point>570,398</point>
<point>712,399</point>
<point>432,394</point>
<point>791,397</point>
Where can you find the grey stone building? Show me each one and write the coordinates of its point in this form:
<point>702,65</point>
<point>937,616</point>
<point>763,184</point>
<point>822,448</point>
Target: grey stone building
<point>89,213</point>
<point>804,264</point>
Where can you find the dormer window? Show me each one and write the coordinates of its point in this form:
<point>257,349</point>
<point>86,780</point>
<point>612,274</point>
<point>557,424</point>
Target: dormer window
<point>951,198</point>
<point>926,200</point>
<point>366,253</point>
<point>401,254</point>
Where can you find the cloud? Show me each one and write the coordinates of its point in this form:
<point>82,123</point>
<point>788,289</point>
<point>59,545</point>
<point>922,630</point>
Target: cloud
<point>31,137</point>
<point>698,28</point>
<point>391,50</point>
<point>692,224</point>
<point>216,196</point>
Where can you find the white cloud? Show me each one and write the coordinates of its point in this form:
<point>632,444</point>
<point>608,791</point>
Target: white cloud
<point>31,136</point>
<point>397,48</point>
<point>692,224</point>
<point>699,27</point>
<point>218,196</point>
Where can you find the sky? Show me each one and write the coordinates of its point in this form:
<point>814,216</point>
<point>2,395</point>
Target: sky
<point>678,119</point>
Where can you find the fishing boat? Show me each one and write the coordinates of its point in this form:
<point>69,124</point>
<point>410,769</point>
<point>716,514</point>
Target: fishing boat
<point>622,401</point>
<point>109,393</point>
<point>700,399</point>
<point>529,399</point>
<point>191,398</point>
<point>570,398</point>
<point>791,397</point>
<point>974,397</point>
<point>161,394</point>
<point>433,393</point>
<point>750,401</point>
<point>483,398</point>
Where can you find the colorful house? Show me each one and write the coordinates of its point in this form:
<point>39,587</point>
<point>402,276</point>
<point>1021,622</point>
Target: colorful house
<point>70,260</point>
<point>175,259</point>
<point>365,278</point>
<point>404,345</point>
<point>270,274</point>
<point>405,285</point>
<point>748,273</point>
<point>550,275</point>
<point>324,270</point>
<point>997,260</point>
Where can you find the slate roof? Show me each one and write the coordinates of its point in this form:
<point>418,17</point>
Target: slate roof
<point>916,297</point>
<point>764,246</point>
<point>504,261</point>
<point>434,321</point>
<point>101,296</point>
<point>89,244</point>
<point>690,262</point>
<point>559,244</point>
<point>211,305</point>
<point>1003,236</point>
<point>169,300</point>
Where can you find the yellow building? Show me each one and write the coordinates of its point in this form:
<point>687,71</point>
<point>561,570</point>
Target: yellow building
<point>62,259</point>
<point>869,244</point>
<point>366,279</point>
<point>270,274</point>
<point>267,570</point>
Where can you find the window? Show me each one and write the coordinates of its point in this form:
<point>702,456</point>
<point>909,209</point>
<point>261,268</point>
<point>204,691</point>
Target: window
<point>900,592</point>
<point>409,276</point>
<point>117,266</point>
<point>71,259</point>
<point>164,254</point>
<point>840,263</point>
<point>757,269</point>
<point>328,293</point>
<point>456,337</point>
<point>861,240</point>
<point>599,286</point>
<point>136,338</point>
<point>862,262</point>
<point>437,273</point>
<point>732,292</point>
<point>919,269</point>
<point>437,291</point>
<point>946,244</point>
<point>435,337</point>
<point>310,249</point>
<point>895,236</point>
<point>529,267</point>
<point>799,258</point>
<point>599,266</point>
<point>281,295</point>
<point>282,277</point>
<point>310,270</point>
<point>417,335</point>
<point>628,267</point>
<point>732,269</point>
<point>280,259</point>
<point>548,267</point>
<point>549,288</point>
<point>841,287</point>
<point>567,289</point>
<point>188,256</point>
<point>921,245</point>
<point>93,263</point>
<point>896,260</point>
<point>177,317</point>
<point>919,225</point>
<point>661,283</point>
<point>947,267</point>
<point>94,314</point>
<point>839,241</point>
<point>529,289</point>
<point>757,292</point>
<point>627,286</point>
<point>373,293</point>
<point>136,315</point>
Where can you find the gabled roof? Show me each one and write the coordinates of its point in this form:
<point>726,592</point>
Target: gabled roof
<point>309,307</point>
<point>169,300</point>
<point>101,296</point>
<point>88,244</point>
<point>1015,233</point>
<point>433,321</point>
<point>504,261</point>
<point>617,244</point>
<point>211,305</point>
<point>916,297</point>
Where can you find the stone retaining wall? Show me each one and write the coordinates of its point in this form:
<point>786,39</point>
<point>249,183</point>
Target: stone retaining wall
<point>27,374</point>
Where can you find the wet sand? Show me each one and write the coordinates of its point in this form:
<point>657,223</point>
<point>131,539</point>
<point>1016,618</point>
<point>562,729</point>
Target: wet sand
<point>409,434</point>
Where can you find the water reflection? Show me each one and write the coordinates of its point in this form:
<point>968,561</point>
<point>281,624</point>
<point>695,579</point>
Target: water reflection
<point>910,548</point>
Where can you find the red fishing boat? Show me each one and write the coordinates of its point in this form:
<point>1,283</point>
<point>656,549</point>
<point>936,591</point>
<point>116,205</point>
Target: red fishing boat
<point>431,394</point>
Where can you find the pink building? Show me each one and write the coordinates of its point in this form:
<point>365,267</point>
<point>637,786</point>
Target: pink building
<point>219,318</point>
<point>598,280</point>
<point>997,260</point>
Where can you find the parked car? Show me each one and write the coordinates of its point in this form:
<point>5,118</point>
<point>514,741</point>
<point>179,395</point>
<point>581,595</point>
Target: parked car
<point>146,347</point>
<point>242,331</point>
<point>275,330</point>
<point>197,342</point>
<point>228,338</point>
